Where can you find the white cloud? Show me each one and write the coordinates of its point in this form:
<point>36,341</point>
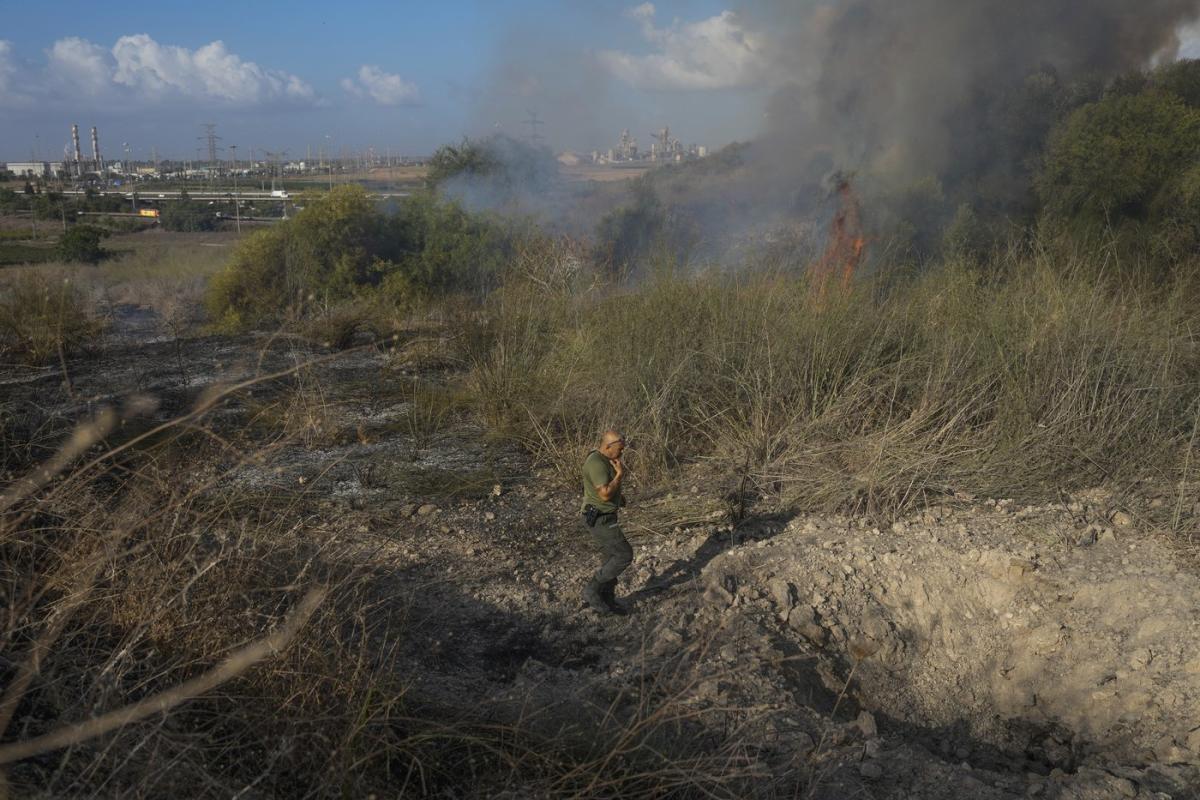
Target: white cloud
<point>9,96</point>
<point>211,72</point>
<point>384,88</point>
<point>645,12</point>
<point>714,53</point>
<point>138,71</point>
<point>7,69</point>
<point>79,63</point>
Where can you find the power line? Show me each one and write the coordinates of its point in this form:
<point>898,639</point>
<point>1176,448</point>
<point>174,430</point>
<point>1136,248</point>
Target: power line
<point>535,138</point>
<point>276,159</point>
<point>210,137</point>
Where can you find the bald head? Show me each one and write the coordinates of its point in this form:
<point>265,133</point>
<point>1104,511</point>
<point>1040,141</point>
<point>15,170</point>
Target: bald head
<point>611,444</point>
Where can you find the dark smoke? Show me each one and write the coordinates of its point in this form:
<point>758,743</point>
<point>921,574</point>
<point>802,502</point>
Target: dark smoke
<point>905,90</point>
<point>932,107</point>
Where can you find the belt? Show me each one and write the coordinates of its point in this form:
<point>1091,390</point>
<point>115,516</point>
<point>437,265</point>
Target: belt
<point>607,516</point>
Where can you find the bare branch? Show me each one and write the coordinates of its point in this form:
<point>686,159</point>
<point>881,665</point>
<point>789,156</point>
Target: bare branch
<point>231,667</point>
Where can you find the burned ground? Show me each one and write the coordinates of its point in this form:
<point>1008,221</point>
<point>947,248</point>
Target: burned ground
<point>978,648</point>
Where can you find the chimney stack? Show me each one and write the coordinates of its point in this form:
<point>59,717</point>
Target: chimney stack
<point>96,151</point>
<point>78,155</point>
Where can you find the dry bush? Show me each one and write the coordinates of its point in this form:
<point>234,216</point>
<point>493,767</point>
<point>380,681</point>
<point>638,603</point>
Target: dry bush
<point>183,585</point>
<point>294,409</point>
<point>126,574</point>
<point>159,271</point>
<point>43,317</point>
<point>431,409</point>
<point>178,303</point>
<point>335,328</point>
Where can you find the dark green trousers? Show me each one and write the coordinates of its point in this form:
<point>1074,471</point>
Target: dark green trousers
<point>614,548</point>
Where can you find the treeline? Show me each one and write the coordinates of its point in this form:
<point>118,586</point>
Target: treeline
<point>183,215</point>
<point>49,204</point>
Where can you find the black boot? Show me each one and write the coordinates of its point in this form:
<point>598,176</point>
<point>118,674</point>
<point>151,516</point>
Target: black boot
<point>594,599</point>
<point>608,593</point>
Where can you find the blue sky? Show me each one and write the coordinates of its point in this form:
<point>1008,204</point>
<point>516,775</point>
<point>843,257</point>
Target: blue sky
<point>400,76</point>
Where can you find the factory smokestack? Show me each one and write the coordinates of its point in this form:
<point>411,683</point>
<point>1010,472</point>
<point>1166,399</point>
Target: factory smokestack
<point>78,155</point>
<point>96,151</point>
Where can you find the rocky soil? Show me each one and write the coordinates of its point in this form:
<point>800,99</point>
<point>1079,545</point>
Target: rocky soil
<point>981,649</point>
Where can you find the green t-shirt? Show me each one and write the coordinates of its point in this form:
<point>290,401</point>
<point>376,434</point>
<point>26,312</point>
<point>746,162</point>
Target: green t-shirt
<point>597,471</point>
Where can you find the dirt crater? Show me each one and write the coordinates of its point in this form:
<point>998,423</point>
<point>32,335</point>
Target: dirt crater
<point>988,638</point>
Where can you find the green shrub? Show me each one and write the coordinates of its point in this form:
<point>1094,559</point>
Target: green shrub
<point>644,233</point>
<point>253,286</point>
<point>627,232</point>
<point>188,216</point>
<point>21,253</point>
<point>445,249</point>
<point>82,243</point>
<point>967,237</point>
<point>323,254</point>
<point>342,246</point>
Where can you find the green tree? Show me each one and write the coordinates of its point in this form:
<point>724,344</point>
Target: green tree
<point>470,158</point>
<point>82,243</point>
<point>498,166</point>
<point>1109,160</point>
<point>1179,78</point>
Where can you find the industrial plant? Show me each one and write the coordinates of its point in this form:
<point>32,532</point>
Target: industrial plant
<point>209,164</point>
<point>93,170</point>
<point>73,165</point>
<point>664,148</point>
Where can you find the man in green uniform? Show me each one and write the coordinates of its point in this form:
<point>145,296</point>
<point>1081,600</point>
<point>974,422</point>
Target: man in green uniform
<point>602,474</point>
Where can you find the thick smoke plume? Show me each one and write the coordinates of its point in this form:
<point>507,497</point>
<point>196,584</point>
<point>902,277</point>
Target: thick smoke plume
<point>909,89</point>
<point>926,106</point>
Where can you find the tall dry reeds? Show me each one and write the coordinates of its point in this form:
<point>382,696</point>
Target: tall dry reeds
<point>1044,372</point>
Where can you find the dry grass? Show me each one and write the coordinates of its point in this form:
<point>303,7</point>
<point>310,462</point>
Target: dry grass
<point>136,582</point>
<point>158,270</point>
<point>1053,375</point>
<point>44,317</point>
<point>129,567</point>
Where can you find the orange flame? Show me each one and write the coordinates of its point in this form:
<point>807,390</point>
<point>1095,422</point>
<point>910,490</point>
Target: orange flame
<point>844,250</point>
